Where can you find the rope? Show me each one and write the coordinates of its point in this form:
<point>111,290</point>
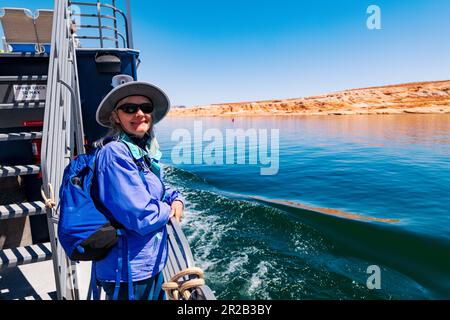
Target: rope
<point>174,288</point>
<point>39,48</point>
<point>49,202</point>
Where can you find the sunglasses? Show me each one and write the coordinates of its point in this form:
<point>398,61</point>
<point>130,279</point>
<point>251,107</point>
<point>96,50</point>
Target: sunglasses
<point>131,108</point>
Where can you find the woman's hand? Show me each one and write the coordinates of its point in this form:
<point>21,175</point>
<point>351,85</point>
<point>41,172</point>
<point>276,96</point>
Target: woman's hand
<point>177,210</point>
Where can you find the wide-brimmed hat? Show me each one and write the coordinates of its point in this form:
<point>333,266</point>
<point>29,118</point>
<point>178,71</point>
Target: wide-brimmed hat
<point>159,99</point>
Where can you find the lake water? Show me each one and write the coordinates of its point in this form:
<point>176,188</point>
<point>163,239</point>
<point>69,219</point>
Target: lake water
<point>350,192</point>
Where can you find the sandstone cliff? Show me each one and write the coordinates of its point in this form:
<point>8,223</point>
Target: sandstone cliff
<point>417,97</point>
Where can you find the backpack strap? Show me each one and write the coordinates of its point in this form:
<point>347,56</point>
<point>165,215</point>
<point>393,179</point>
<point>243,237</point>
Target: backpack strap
<point>119,265</point>
<point>123,252</point>
<point>130,277</point>
<point>94,288</point>
<point>123,248</point>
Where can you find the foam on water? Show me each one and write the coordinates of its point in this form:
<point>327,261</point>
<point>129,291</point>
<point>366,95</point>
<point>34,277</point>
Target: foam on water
<point>260,280</point>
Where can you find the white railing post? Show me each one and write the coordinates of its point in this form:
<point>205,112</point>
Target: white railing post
<point>129,28</point>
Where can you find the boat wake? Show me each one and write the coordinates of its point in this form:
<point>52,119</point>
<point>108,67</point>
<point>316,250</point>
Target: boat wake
<point>254,247</point>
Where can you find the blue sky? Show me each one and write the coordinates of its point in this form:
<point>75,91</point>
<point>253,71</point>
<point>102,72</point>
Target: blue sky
<point>203,51</point>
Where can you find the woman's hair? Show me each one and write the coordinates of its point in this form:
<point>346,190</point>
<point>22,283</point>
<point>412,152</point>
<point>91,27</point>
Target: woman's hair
<point>114,133</point>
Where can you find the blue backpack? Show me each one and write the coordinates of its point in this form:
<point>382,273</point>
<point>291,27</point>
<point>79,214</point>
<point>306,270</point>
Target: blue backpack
<point>83,230</point>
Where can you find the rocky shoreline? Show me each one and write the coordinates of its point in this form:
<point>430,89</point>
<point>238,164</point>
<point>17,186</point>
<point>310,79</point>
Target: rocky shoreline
<point>411,98</point>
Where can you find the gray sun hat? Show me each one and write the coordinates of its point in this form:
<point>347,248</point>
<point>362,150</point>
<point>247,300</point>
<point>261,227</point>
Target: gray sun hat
<point>160,101</point>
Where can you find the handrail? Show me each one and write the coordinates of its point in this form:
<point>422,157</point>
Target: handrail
<point>103,38</point>
<point>62,135</point>
<point>116,31</point>
<point>104,5</point>
<point>100,30</point>
<point>93,15</point>
<point>180,257</point>
<point>99,15</point>
<point>115,23</point>
<point>183,242</point>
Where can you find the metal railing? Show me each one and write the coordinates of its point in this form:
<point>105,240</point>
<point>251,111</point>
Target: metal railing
<point>180,258</point>
<point>62,136</point>
<point>104,22</point>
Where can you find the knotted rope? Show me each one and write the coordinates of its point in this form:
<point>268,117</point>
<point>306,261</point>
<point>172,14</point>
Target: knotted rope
<point>49,202</point>
<point>174,288</point>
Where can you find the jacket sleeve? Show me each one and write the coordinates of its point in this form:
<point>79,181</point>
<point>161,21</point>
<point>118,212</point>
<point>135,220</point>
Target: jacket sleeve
<point>171,194</point>
<point>123,193</point>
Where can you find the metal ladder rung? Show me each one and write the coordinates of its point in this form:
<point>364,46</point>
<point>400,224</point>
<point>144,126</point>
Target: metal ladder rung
<point>23,105</point>
<point>39,296</point>
<point>21,79</point>
<point>14,171</point>
<point>17,210</point>
<point>20,136</point>
<point>25,255</point>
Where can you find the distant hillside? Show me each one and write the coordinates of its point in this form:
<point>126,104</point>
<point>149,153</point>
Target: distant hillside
<point>417,97</point>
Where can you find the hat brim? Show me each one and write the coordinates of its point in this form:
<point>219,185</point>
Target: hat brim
<point>160,101</point>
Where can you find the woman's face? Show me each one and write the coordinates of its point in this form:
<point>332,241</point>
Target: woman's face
<point>137,123</point>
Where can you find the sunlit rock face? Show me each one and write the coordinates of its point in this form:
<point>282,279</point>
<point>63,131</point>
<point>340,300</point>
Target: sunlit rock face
<point>417,97</point>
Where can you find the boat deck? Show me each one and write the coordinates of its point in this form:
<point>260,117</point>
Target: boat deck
<point>37,282</point>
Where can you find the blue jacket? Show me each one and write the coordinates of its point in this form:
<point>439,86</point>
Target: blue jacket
<point>139,207</point>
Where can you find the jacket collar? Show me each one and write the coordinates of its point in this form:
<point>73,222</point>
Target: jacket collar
<point>150,149</point>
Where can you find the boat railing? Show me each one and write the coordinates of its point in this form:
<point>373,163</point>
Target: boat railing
<point>104,22</point>
<point>180,258</point>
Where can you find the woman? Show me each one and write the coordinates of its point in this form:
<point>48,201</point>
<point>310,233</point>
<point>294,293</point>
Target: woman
<point>131,190</point>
